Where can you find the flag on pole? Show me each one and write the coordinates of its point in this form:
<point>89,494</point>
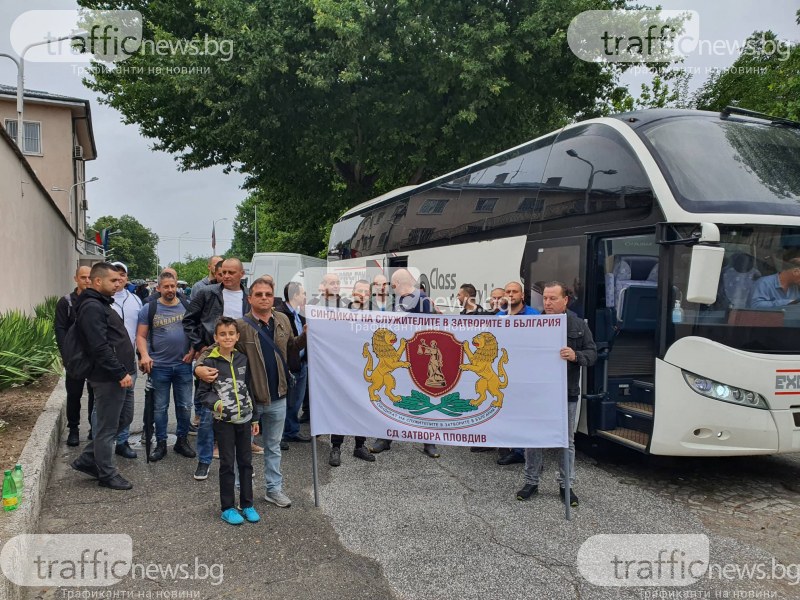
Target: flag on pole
<point>101,237</point>
<point>213,238</point>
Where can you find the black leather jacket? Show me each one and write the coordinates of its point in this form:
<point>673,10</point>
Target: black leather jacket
<point>204,310</point>
<point>580,339</point>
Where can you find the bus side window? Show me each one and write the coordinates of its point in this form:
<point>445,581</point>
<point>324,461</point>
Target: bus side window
<point>556,261</point>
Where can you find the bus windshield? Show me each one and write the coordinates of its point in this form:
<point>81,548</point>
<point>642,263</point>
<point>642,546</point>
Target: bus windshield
<point>758,299</point>
<point>715,165</point>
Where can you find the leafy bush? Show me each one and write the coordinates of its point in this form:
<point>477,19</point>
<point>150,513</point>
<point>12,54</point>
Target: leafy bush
<point>28,345</point>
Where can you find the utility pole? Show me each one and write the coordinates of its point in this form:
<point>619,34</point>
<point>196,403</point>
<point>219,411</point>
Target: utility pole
<point>255,228</point>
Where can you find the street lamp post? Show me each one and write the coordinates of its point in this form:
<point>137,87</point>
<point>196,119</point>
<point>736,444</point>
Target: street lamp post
<point>71,196</point>
<point>214,235</point>
<point>180,258</point>
<point>592,173</point>
<point>21,76</point>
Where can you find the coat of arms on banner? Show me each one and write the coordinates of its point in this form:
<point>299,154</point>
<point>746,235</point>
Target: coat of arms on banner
<point>436,361</point>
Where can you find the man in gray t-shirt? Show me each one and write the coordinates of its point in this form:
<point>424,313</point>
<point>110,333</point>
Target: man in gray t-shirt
<point>166,356</point>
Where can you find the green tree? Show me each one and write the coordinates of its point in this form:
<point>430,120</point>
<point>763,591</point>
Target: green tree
<point>135,245</point>
<point>325,103</point>
<point>193,269</point>
<point>765,78</point>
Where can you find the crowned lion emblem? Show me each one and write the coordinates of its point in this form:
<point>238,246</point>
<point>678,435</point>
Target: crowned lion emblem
<point>480,362</point>
<point>380,376</point>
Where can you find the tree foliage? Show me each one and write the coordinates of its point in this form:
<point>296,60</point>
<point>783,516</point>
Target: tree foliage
<point>135,245</point>
<point>766,79</point>
<point>193,269</point>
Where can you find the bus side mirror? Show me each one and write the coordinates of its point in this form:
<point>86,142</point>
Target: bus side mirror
<point>704,273</point>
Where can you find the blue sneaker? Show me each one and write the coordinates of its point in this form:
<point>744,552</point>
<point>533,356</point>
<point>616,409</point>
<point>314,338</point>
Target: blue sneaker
<point>232,516</point>
<point>250,514</point>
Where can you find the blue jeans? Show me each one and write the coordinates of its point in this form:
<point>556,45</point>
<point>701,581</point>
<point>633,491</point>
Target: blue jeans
<point>125,427</point>
<point>294,400</point>
<point>205,436</point>
<point>271,418</point>
<point>180,379</point>
<point>534,457</point>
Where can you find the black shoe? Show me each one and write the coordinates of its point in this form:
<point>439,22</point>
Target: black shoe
<point>573,499</point>
<point>510,459</point>
<point>527,491</point>
<point>364,454</point>
<point>284,445</point>
<point>183,448</point>
<point>335,459</point>
<point>90,436</point>
<point>125,451</point>
<point>430,450</point>
<point>117,482</point>
<point>90,470</point>
<point>300,437</point>
<point>380,445</point>
<point>201,472</point>
<point>73,439</point>
<point>159,452</point>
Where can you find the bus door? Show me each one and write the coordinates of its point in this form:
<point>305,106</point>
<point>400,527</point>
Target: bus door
<point>626,317</point>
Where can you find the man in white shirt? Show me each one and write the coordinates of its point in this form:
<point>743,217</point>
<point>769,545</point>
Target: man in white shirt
<point>127,305</point>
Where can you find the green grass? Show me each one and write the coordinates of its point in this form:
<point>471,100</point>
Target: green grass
<point>28,345</point>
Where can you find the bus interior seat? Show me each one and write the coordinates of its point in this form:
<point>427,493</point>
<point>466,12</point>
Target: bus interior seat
<point>637,309</point>
<point>738,279</point>
<point>629,270</point>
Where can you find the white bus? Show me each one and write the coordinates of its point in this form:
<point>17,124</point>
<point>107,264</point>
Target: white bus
<point>288,266</point>
<point>622,209</point>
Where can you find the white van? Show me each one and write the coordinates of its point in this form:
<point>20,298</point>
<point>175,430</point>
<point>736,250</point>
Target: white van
<point>287,266</point>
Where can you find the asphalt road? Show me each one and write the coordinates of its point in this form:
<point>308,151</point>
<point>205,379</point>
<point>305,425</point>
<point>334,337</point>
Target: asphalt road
<point>406,526</point>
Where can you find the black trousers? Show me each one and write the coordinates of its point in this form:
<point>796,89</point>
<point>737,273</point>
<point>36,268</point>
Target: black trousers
<point>74,393</point>
<point>233,441</point>
<point>336,440</point>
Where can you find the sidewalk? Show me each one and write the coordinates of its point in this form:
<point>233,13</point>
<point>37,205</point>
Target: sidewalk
<point>406,526</point>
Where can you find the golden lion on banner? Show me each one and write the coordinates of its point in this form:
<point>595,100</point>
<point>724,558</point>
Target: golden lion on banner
<point>481,360</point>
<point>380,376</point>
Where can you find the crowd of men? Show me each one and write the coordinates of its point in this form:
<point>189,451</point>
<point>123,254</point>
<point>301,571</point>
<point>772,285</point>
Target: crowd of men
<point>164,335</point>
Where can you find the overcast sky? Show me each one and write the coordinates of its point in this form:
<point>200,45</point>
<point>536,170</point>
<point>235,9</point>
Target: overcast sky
<point>135,180</point>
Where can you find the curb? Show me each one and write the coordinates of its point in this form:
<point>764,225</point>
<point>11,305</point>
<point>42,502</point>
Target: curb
<point>37,460</point>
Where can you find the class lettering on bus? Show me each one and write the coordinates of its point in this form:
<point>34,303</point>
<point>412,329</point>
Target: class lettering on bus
<point>613,207</point>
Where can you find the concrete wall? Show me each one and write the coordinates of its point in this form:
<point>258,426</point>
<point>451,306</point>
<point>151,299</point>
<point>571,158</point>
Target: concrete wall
<point>37,244</point>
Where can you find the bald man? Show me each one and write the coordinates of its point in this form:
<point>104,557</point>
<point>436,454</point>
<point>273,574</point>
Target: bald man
<point>65,317</point>
<point>211,278</point>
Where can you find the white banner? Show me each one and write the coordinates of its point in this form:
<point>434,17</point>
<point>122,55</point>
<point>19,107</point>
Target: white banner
<point>472,380</point>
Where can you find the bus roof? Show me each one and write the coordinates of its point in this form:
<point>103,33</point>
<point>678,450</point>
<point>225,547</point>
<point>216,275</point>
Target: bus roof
<point>633,119</point>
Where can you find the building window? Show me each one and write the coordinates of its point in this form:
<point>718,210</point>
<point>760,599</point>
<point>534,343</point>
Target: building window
<point>432,207</point>
<point>485,205</point>
<point>420,235</point>
<point>382,239</point>
<point>32,135</point>
<point>531,205</point>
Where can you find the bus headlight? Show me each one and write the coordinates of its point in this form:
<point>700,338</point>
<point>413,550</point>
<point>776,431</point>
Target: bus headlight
<point>722,391</point>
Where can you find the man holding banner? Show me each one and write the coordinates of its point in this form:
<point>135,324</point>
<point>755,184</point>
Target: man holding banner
<point>580,351</point>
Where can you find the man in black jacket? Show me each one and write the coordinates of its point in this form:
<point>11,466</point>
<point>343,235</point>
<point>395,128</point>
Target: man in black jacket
<point>65,317</point>
<point>105,340</point>
<point>580,351</point>
<point>208,304</point>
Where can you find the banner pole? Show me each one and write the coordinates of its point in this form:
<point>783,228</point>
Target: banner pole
<point>567,478</point>
<point>314,477</point>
